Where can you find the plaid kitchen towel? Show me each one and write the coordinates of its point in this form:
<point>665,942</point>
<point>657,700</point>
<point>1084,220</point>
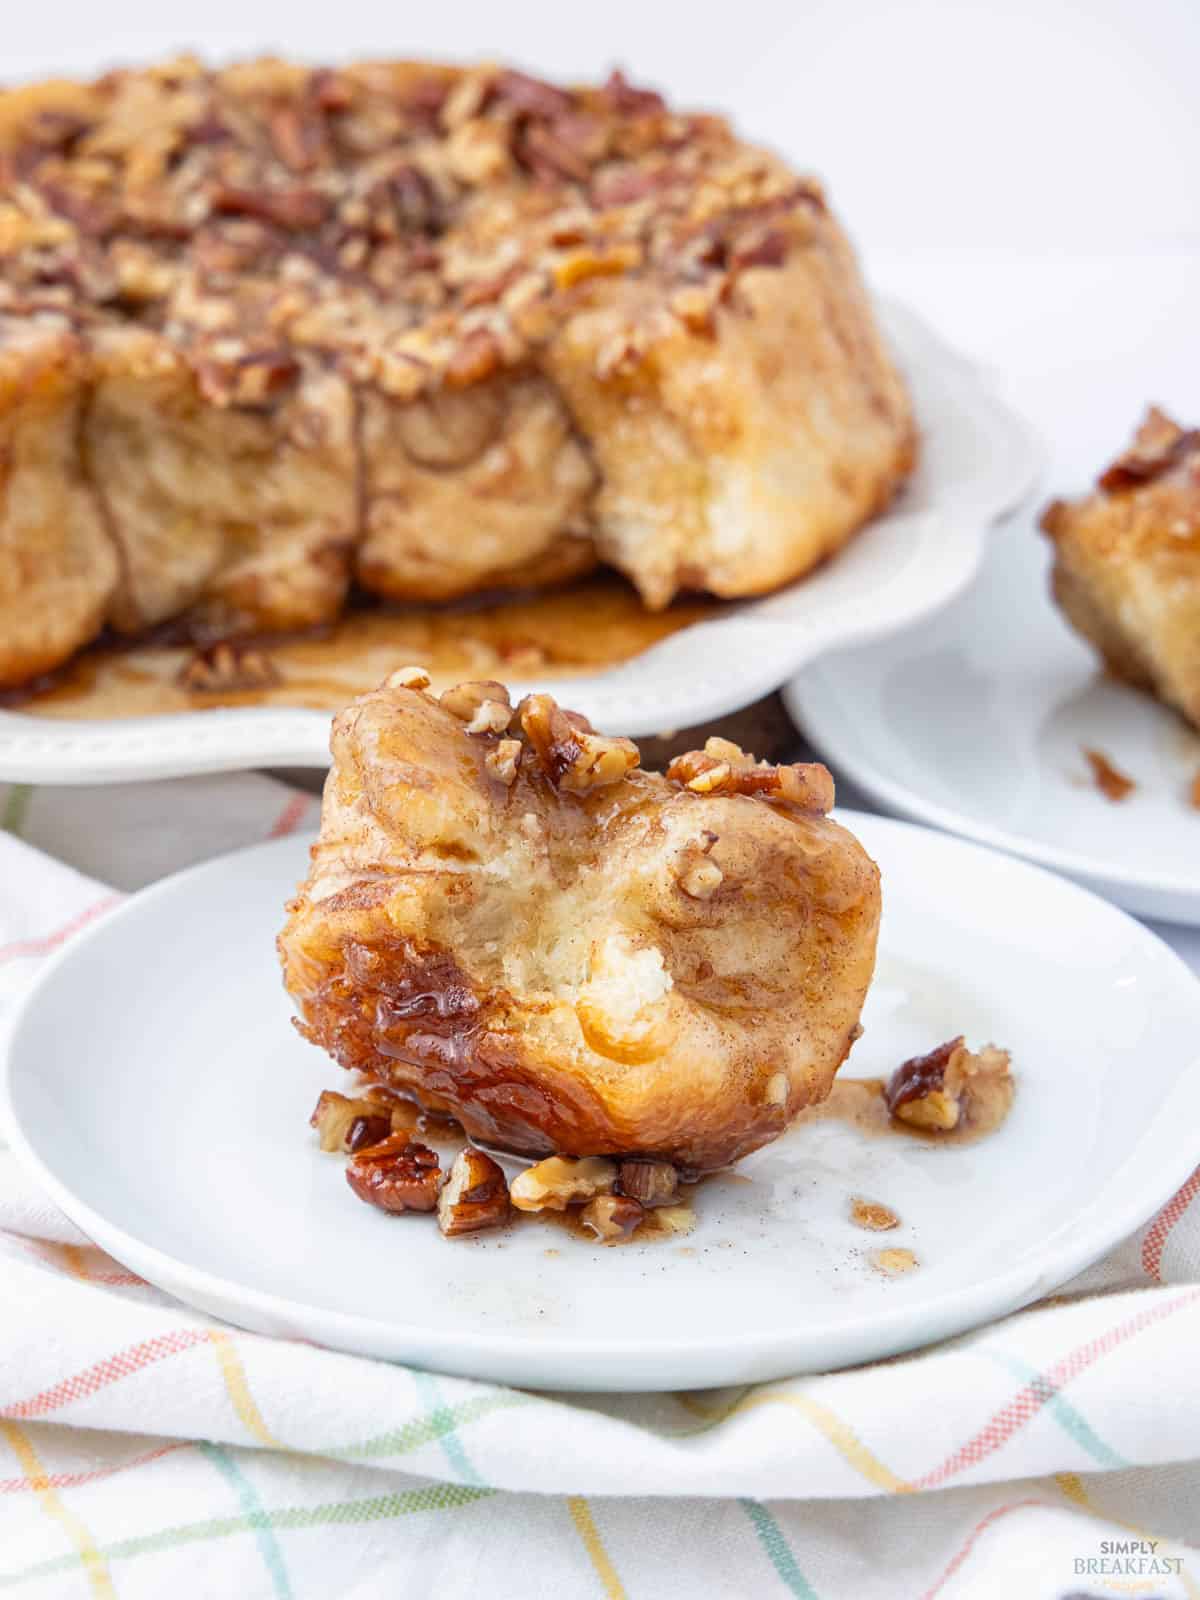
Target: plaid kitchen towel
<point>146,1450</point>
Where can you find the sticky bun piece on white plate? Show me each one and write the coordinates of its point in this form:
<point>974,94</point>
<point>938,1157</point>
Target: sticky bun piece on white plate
<point>510,920</point>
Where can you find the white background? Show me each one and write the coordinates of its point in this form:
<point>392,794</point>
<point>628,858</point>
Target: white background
<point>1045,125</point>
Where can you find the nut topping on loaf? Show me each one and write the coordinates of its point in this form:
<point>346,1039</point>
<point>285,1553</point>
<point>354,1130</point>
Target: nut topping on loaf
<point>435,330</point>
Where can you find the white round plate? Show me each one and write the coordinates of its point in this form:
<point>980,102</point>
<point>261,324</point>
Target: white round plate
<point>155,1089</point>
<point>980,724</point>
<point>978,460</point>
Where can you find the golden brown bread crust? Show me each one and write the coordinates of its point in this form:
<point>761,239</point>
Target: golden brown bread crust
<point>1127,563</point>
<point>570,954</point>
<point>57,567</point>
<point>435,330</point>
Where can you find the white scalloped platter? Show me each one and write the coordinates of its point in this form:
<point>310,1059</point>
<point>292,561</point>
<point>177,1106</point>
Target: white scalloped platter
<point>978,460</point>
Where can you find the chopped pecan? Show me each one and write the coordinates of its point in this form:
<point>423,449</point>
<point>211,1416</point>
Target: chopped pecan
<point>626,97</point>
<point>293,209</point>
<point>920,1081</point>
<point>545,153</point>
<point>936,1091</point>
<point>723,768</point>
<point>251,379</point>
<point>350,1123</point>
<point>467,98</point>
<point>396,1175</point>
<point>699,876</point>
<point>649,1182</point>
<point>484,706</point>
<point>532,95</point>
<point>332,93</point>
<point>485,291</point>
<point>474,1196</point>
<point>504,761</point>
<point>562,1181</point>
<point>331,1117</point>
<point>413,197</point>
<point>701,879</point>
<point>595,263</point>
<point>613,1218</point>
<point>571,754</point>
<point>408,678</point>
<point>392,204</point>
<point>623,186</point>
<point>678,1218</point>
<point>599,762</point>
<point>367,1129</point>
<point>299,139</point>
<point>226,668</point>
<point>477,357</point>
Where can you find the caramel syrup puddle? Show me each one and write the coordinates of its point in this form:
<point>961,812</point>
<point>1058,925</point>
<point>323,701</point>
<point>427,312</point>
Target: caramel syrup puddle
<point>584,628</point>
<point>860,1104</point>
<point>857,1102</point>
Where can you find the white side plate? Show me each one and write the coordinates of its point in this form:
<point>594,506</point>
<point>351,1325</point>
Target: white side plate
<point>174,1132</point>
<point>978,460</point>
<point>979,725</point>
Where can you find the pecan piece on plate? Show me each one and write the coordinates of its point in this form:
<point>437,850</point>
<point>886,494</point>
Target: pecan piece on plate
<point>474,1196</point>
<point>951,1085</point>
<point>650,1183</point>
<point>396,1175</point>
<point>346,1124</point>
<point>613,1218</point>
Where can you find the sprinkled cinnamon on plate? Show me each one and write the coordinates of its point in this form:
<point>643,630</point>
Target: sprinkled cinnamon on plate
<point>1194,793</point>
<point>1111,781</point>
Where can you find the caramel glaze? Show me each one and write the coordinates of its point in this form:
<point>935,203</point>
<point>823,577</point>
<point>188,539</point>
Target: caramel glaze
<point>585,627</point>
<point>862,1104</point>
<point>414,1020</point>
